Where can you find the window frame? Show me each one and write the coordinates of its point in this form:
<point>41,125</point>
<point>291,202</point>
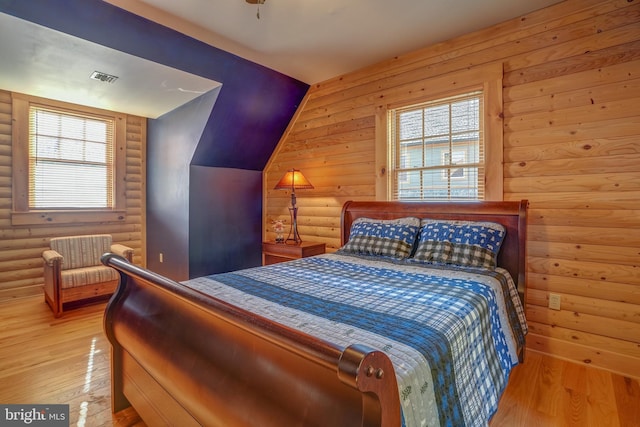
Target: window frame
<point>21,214</point>
<point>488,79</point>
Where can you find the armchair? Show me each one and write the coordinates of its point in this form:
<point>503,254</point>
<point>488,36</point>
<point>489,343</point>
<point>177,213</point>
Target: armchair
<point>73,271</point>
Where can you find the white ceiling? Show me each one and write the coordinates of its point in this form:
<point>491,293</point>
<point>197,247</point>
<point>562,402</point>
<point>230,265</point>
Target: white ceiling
<point>314,40</point>
<point>311,40</point>
<point>42,62</point>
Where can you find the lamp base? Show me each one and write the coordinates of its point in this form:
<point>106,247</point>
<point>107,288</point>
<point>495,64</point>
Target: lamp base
<point>294,236</point>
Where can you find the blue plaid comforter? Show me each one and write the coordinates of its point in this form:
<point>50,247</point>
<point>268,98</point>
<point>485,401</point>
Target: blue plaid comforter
<point>452,334</point>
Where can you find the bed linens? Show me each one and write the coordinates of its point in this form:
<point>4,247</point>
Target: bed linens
<point>451,334</point>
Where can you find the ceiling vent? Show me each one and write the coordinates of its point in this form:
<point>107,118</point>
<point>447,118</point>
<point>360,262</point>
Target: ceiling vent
<point>104,77</point>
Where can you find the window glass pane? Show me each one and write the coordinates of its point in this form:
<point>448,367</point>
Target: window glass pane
<point>437,120</point>
<point>410,155</point>
<point>436,186</point>
<point>409,184</point>
<point>464,186</point>
<point>464,115</point>
<point>46,147</point>
<point>470,144</point>
<point>410,124</point>
<point>96,131</point>
<point>95,152</point>
<point>433,151</point>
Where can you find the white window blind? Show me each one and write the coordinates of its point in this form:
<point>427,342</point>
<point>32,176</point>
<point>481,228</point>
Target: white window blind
<point>71,160</point>
<point>437,149</point>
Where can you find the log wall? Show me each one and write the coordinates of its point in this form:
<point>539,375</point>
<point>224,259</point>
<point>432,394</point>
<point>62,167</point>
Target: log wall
<point>21,247</point>
<point>571,108</point>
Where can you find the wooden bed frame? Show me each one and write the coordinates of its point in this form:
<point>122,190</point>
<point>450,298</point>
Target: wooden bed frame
<point>179,356</point>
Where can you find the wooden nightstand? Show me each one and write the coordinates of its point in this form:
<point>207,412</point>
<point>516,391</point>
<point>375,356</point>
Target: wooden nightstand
<point>273,252</point>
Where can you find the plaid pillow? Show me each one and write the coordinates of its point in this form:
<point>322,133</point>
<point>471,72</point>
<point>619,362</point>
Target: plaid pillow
<point>393,238</point>
<point>464,243</point>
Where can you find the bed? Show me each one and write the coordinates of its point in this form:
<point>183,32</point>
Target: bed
<point>328,340</point>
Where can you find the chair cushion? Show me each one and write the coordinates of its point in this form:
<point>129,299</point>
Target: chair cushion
<point>87,276</point>
<point>81,251</point>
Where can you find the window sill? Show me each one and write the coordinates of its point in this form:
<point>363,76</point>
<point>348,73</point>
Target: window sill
<point>66,217</point>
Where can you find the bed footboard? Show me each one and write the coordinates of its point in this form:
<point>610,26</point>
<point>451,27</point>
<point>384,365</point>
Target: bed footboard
<point>181,356</point>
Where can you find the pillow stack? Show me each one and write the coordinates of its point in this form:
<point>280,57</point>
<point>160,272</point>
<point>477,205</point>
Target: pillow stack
<point>459,243</point>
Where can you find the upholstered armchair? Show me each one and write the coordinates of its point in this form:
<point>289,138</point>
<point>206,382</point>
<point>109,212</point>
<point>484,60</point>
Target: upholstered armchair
<point>73,271</point>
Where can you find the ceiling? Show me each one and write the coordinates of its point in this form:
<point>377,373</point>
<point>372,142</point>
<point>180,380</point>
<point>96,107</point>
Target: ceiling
<point>314,40</point>
<point>42,62</point>
<point>310,40</point>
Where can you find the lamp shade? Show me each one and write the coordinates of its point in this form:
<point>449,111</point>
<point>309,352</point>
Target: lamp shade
<point>293,180</point>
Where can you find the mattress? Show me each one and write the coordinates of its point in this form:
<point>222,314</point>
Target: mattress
<point>452,333</point>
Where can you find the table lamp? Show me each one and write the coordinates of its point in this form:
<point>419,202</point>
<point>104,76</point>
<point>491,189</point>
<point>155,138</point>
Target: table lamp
<point>293,180</point>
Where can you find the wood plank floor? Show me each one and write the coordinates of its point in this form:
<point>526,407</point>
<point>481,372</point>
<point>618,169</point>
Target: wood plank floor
<point>47,360</point>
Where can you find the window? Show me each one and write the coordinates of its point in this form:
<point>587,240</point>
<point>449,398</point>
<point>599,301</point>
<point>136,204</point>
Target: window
<point>70,160</point>
<point>445,143</point>
<point>438,149</point>
<point>68,163</point>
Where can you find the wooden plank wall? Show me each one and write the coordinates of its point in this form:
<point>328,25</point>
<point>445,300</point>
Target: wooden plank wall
<point>571,147</point>
<point>21,247</point>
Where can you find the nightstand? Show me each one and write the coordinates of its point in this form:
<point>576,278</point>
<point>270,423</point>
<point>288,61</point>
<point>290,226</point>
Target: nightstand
<point>273,252</point>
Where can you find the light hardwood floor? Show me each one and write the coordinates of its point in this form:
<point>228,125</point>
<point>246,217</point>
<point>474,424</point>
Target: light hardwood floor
<point>47,360</point>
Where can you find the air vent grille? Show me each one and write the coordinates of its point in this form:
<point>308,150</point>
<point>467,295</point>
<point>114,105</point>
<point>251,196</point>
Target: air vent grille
<point>104,77</point>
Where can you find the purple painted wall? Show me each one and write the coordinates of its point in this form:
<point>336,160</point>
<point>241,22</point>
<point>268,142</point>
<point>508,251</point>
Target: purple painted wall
<point>251,112</point>
<point>175,137</point>
<point>225,239</point>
